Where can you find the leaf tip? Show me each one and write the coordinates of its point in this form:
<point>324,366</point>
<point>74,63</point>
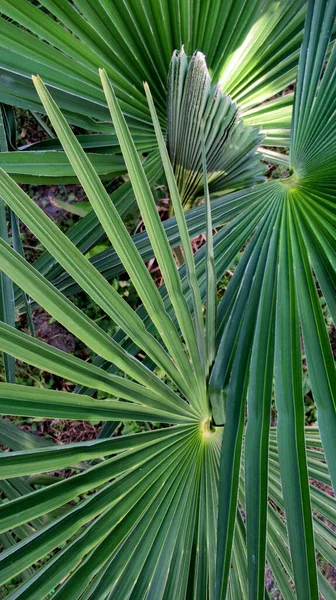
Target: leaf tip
<point>103,76</point>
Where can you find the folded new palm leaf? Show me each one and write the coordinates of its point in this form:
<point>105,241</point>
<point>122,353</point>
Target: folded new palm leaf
<point>230,148</point>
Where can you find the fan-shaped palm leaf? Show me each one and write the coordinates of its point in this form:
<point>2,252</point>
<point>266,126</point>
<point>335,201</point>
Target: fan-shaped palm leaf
<point>251,50</point>
<point>194,509</point>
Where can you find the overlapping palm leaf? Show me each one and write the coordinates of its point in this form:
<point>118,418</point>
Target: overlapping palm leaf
<point>117,38</point>
<point>138,519</point>
<point>251,50</point>
<point>288,304</point>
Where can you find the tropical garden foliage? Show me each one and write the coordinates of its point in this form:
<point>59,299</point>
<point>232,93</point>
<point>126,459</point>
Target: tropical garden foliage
<point>211,495</point>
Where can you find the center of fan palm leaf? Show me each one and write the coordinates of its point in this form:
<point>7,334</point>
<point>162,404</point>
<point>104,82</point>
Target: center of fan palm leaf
<point>208,428</point>
<point>291,181</point>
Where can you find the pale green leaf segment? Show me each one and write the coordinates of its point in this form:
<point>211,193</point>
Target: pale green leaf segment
<point>44,167</point>
<point>182,226</point>
<point>159,240</point>
<point>159,514</point>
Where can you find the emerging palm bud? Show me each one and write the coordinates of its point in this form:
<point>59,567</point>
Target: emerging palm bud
<point>232,162</point>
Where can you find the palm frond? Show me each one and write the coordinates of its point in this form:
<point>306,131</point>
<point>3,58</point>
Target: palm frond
<point>198,507</point>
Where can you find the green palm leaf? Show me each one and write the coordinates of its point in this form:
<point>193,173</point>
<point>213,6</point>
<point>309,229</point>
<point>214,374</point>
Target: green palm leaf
<point>191,509</point>
<point>7,309</point>
<point>116,38</point>
<point>135,43</point>
<point>296,299</point>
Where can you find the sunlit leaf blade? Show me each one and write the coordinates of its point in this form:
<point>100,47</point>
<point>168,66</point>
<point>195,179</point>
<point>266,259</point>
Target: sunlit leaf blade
<point>274,117</point>
<point>268,56</point>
